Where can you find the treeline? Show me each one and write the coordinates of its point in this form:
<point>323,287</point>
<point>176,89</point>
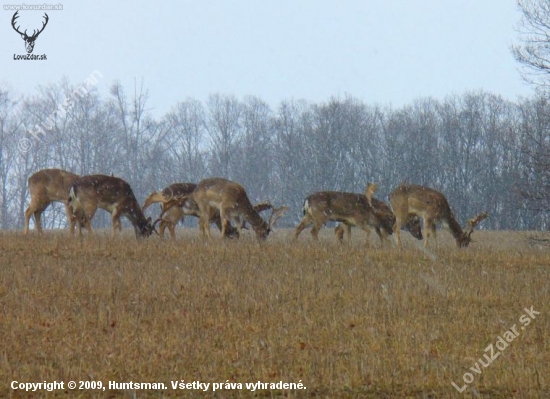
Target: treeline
<point>482,151</point>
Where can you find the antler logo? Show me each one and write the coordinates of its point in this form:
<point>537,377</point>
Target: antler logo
<point>29,40</point>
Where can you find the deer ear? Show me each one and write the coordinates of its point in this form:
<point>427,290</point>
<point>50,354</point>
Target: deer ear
<point>23,36</point>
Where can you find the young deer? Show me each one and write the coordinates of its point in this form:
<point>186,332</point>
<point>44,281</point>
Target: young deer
<point>432,206</point>
<point>47,186</point>
<point>111,194</point>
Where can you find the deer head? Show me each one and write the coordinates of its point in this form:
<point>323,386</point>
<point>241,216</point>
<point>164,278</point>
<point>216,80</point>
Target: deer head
<point>29,40</point>
<point>470,226</point>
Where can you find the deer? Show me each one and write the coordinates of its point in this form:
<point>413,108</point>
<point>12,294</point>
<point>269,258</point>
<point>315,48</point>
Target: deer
<point>177,202</point>
<point>350,209</point>
<point>29,40</point>
<point>175,208</point>
<point>47,186</point>
<point>88,193</point>
<point>231,201</point>
<point>432,206</point>
<point>413,225</point>
<point>173,213</point>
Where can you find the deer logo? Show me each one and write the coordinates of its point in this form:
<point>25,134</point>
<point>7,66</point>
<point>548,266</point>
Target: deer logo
<point>29,40</point>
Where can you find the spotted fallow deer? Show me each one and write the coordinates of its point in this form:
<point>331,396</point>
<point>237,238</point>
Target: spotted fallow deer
<point>350,209</point>
<point>47,186</point>
<point>413,225</point>
<point>232,203</point>
<point>432,206</point>
<point>177,202</point>
<point>88,193</point>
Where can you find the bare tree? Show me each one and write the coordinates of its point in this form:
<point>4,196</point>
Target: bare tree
<point>224,128</point>
<point>187,125</point>
<point>256,166</point>
<point>534,55</point>
<point>140,138</point>
<point>290,163</point>
<point>534,179</point>
<point>8,137</point>
<point>534,52</point>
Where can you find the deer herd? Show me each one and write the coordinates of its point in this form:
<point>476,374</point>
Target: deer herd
<point>414,208</point>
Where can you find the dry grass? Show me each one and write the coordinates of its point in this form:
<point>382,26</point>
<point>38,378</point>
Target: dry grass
<point>345,320</point>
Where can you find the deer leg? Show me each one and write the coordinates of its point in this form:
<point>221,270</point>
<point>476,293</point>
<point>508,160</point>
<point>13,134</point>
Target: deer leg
<point>397,232</point>
<point>315,230</point>
<point>342,229</point>
<point>224,227</point>
<point>172,230</point>
<point>201,226</point>
<point>305,222</point>
<point>205,223</point>
<point>36,211</point>
<point>339,233</point>
<point>162,227</point>
<point>367,230</point>
<point>347,228</point>
<point>116,226</point>
<point>85,221</point>
<point>80,220</point>
<point>381,233</point>
<point>89,214</point>
<point>88,226</point>
<point>28,215</point>
<point>72,224</point>
<point>71,217</point>
<point>429,227</point>
<point>239,223</point>
<point>116,222</point>
<point>223,220</point>
<point>38,220</point>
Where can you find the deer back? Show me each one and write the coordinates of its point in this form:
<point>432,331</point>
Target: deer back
<point>339,206</point>
<point>51,184</point>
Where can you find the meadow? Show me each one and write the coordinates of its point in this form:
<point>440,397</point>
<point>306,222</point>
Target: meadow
<point>346,321</point>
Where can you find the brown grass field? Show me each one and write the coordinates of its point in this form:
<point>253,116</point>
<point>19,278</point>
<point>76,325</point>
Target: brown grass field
<point>347,320</point>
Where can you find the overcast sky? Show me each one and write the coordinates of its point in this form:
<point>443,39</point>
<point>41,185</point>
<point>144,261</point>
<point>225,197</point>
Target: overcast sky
<point>380,51</point>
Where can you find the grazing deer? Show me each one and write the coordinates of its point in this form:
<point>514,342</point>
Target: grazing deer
<point>413,225</point>
<point>230,200</point>
<point>176,208</point>
<point>348,208</point>
<point>176,203</point>
<point>111,194</point>
<point>47,186</point>
<point>432,206</point>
